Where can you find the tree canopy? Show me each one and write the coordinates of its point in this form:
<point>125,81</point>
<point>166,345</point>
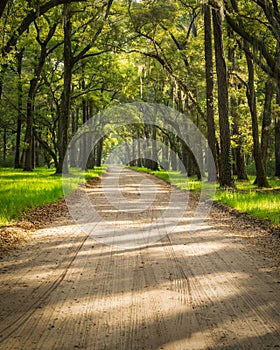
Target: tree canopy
<point>215,62</point>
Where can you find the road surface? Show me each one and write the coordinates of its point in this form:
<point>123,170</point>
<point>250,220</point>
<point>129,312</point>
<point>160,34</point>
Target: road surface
<point>203,289</point>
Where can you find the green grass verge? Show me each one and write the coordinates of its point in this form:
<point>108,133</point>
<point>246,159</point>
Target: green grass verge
<point>247,198</point>
<point>20,191</point>
<point>264,205</point>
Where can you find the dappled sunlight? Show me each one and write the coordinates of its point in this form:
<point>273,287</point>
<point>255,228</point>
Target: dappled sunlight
<point>133,280</point>
<point>199,249</point>
<point>195,341</point>
<point>220,285</point>
<point>58,230</point>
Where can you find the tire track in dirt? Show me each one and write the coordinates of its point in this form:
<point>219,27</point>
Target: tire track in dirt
<point>211,295</point>
<point>192,290</point>
<point>39,294</point>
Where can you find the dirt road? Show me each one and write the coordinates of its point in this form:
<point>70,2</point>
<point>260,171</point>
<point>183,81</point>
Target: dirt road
<point>203,289</point>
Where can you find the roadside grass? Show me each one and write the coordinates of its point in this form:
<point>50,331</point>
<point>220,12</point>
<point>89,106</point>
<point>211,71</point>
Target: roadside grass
<point>263,205</point>
<point>20,191</point>
<point>247,198</point>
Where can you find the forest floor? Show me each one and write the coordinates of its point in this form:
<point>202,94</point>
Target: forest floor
<point>216,287</point>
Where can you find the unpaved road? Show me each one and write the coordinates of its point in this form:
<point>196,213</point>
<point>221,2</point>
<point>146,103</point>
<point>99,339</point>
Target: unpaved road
<point>204,289</point>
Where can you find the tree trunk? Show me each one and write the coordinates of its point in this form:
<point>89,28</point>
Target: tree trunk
<point>66,95</point>
<point>226,178</point>
<point>239,157</point>
<point>239,166</point>
<point>261,180</point>
<point>17,164</point>
<point>266,120</point>
<point>37,153</point>
<point>4,143</point>
<point>277,135</point>
<point>99,149</point>
<point>29,136</point>
<point>185,159</point>
<point>20,109</point>
<point>211,137</point>
<point>134,151</point>
<point>3,4</point>
<point>139,160</point>
<point>172,154</point>
<point>165,154</point>
<point>28,159</point>
<point>147,147</point>
<point>85,119</point>
<point>154,163</point>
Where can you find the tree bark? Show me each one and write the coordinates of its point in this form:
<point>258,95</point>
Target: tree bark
<point>172,153</point>
<point>154,163</point>
<point>266,120</point>
<point>28,154</point>
<point>261,180</point>
<point>185,159</point>
<point>239,166</point>
<point>66,95</point>
<point>20,109</point>
<point>99,149</point>
<point>3,4</point>
<point>4,144</point>
<point>211,136</point>
<point>277,135</point>
<point>139,160</point>
<point>226,178</point>
<point>165,154</point>
<point>85,119</point>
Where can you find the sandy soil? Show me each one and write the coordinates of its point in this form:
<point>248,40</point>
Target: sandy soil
<point>203,289</point>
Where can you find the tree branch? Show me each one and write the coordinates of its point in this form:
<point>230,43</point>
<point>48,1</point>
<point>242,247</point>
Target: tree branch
<point>3,4</point>
<point>30,18</point>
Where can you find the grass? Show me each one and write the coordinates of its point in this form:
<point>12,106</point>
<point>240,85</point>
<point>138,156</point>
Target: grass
<point>247,198</point>
<point>264,205</point>
<point>20,191</point>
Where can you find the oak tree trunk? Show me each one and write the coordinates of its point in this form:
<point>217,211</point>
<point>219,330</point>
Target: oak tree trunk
<point>20,109</point>
<point>277,135</point>
<point>211,137</point>
<point>66,95</point>
<point>266,120</point>
<point>4,143</point>
<point>29,134</point>
<point>226,178</point>
<point>261,180</point>
<point>239,166</point>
